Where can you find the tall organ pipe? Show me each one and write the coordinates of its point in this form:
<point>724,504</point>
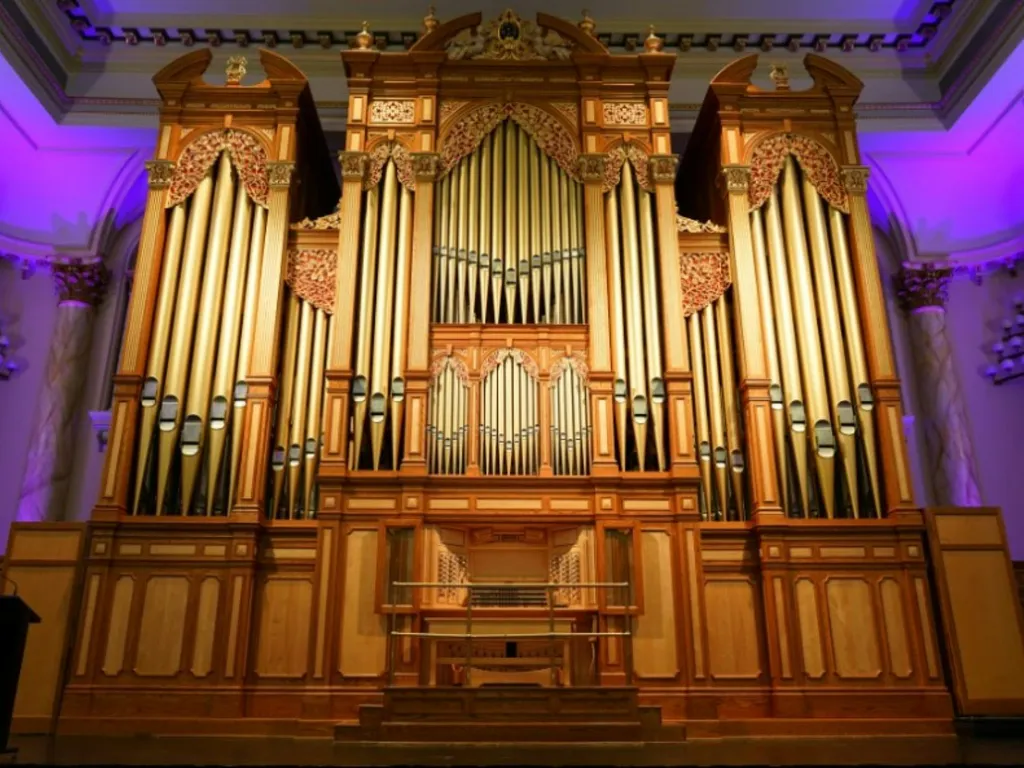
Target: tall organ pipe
<point>545,236</point>
<point>473,240</point>
<point>775,389</point>
<point>284,402</point>
<point>245,341</point>
<point>855,346</point>
<point>484,255</point>
<point>498,223</point>
<point>652,330</point>
<point>844,418</point>
<point>511,223</point>
<point>535,226</point>
<point>381,359</point>
<point>314,419</point>
<point>360,384</point>
<point>300,392</point>
<point>719,452</point>
<point>157,363</point>
<point>523,220</point>
<point>180,352</point>
<point>729,395</point>
<point>460,208</point>
<point>227,345</point>
<point>558,245</point>
<point>705,450</point>
<point>620,391</point>
<point>568,243</point>
<point>807,336</point>
<point>401,329</point>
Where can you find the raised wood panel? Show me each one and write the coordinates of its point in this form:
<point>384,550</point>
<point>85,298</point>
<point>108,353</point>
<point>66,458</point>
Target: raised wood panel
<point>654,642</point>
<point>805,595</point>
<point>734,631</point>
<point>162,626</point>
<point>896,636</point>
<point>117,632</point>
<point>282,643</point>
<point>363,640</point>
<point>853,628</point>
<point>206,626</point>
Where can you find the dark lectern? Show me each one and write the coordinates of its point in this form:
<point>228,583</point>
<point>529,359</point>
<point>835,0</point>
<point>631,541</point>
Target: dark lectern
<point>15,616</point>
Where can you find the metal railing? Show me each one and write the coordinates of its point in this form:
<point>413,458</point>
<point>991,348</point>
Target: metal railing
<point>469,635</point>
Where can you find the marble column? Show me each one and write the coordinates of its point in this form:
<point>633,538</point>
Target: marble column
<point>44,486</point>
<point>922,293</point>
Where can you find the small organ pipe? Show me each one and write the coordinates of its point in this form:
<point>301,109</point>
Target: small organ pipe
<point>719,455</point>
<point>523,221</point>
<point>511,224</point>
<point>498,223</point>
<point>546,211</point>
<point>300,391</point>
<point>314,418</point>
<point>284,402</point>
<point>454,221</point>
<point>473,236</point>
<point>535,227</point>
<point>565,271</point>
<point>634,315</point>
<point>731,402</point>
<point>461,207</point>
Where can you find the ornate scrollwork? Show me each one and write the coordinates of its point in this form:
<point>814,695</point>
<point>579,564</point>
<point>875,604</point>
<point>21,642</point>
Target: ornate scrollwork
<point>353,165</point>
<point>311,275</point>
<point>509,38</point>
<point>280,172</point>
<point>387,111</point>
<point>161,173</point>
<point>378,158</point>
<point>705,277</point>
<point>624,113</point>
<point>818,165</point>
<point>247,154</point>
<point>617,158</point>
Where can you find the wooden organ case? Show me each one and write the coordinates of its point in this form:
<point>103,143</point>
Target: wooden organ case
<point>503,415</point>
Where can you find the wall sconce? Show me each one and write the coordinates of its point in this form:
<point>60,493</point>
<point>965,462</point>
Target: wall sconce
<point>1009,351</point>
<point>7,364</point>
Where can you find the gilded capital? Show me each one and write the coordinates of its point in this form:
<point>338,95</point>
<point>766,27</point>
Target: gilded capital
<point>592,168</point>
<point>736,178</point>
<point>663,168</point>
<point>426,165</point>
<point>855,179</point>
<point>80,284</point>
<point>353,165</point>
<point>922,287</point>
<point>279,173</point>
<point>161,172</point>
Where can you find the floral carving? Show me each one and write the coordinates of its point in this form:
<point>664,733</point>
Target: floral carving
<point>592,167</point>
<point>84,284</point>
<point>311,275</point>
<point>624,113</point>
<point>618,157</point>
<point>519,357</point>
<point>922,286</point>
<point>818,165</point>
<point>247,155</point>
<point>569,109</point>
<point>161,173</point>
<point>426,165</point>
<point>328,222</point>
<point>663,168</point>
<point>449,108</point>
<point>279,173</point>
<point>543,127</point>
<point>577,361</point>
<point>443,360</point>
<point>378,159</point>
<point>855,179</point>
<point>509,38</point>
<point>386,111</point>
<point>705,277</point>
<point>694,227</point>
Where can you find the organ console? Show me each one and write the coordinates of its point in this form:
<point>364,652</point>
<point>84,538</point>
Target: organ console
<point>503,413</point>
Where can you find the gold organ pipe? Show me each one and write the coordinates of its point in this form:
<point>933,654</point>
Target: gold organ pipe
<point>544,224</point>
<point>380,367</point>
<point>517,418</point>
<point>557,246</point>
<point>775,389</point>
<point>201,374</point>
<point>581,288</point>
<point>299,394</point>
<point>360,384</point>
<point>431,425</point>
<point>401,335</point>
<point>439,211</point>
<point>511,225</point>
<point>844,418</point>
<point>705,450</point>
<point>553,393</point>
<point>855,346</point>
<point>634,319</point>
<point>314,423</point>
<point>618,320</point>
<point>462,254</point>
<point>454,220</point>
<point>441,237</point>
<point>535,227</point>
<point>720,455</point>
<point>652,334</point>
<point>485,433</point>
<point>157,363</point>
<point>577,424</point>
<point>245,341</point>
<point>577,251</point>
<point>729,394</point>
<point>563,419</point>
<point>565,295</point>
<point>473,246</point>
<point>523,221</point>
<point>284,401</point>
<point>486,182</point>
<point>180,353</point>
<point>498,222</point>
<point>509,416</point>
<point>449,419</point>
<point>227,347</point>
<point>789,358</point>
<point>807,335</point>
<point>464,426</point>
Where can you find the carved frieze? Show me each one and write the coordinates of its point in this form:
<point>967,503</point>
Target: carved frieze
<point>624,113</point>
<point>509,38</point>
<point>392,111</point>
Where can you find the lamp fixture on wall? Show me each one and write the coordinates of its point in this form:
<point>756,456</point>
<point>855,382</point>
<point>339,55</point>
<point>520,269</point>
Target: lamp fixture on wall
<point>7,365</point>
<point>1009,351</point>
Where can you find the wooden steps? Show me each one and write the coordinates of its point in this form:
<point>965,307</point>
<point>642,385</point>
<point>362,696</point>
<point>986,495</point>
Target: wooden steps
<point>509,714</point>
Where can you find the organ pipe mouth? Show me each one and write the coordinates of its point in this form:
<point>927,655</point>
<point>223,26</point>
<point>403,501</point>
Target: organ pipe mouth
<point>241,394</point>
<point>359,388</point>
<point>847,418</point>
<point>720,457</point>
<point>738,462</point>
<point>620,391</point>
<point>168,413</point>
<point>377,402</point>
<point>704,451</point>
<point>191,433</point>
<point>219,412</point>
<point>398,389</point>
<point>866,397</point>
<point>150,388</point>
<point>640,409</point>
<point>798,416</point>
<point>658,395</point>
<point>277,459</point>
<point>775,396</point>
<point>824,439</point>
<point>294,454</point>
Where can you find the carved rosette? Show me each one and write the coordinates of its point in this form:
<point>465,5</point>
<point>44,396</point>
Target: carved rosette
<point>816,162</point>
<point>663,168</point>
<point>705,277</point>
<point>426,165</point>
<point>855,179</point>
<point>353,165</point>
<point>922,287</point>
<point>624,113</point>
<point>279,173</point>
<point>81,284</point>
<point>392,111</point>
<point>248,156</point>
<point>160,172</point>
<point>311,275</point>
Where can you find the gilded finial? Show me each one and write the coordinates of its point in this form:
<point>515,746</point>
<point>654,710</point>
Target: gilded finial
<point>587,24</point>
<point>653,43</point>
<point>364,38</point>
<point>236,70</point>
<point>780,76</point>
<point>430,21</point>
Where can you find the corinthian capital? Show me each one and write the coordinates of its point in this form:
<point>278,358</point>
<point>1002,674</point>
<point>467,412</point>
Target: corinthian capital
<point>663,168</point>
<point>280,172</point>
<point>736,178</point>
<point>922,286</point>
<point>81,284</point>
<point>855,179</point>
<point>592,168</point>
<point>161,172</point>
<point>353,165</point>
<point>426,165</point>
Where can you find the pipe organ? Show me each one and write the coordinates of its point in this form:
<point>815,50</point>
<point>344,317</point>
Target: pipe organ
<point>510,405</point>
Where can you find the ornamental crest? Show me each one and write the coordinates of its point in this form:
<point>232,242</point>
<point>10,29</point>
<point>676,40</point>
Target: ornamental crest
<point>509,38</point>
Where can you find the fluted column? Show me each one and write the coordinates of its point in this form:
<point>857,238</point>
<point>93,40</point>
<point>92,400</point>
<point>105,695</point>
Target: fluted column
<point>921,290</point>
<point>80,289</point>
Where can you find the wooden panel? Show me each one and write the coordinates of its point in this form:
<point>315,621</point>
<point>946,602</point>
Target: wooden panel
<point>44,545</point>
<point>363,638</point>
<point>853,629</point>
<point>896,637</point>
<point>981,611</point>
<point>285,604</point>
<point>809,623</point>
<point>206,626</point>
<point>117,634</point>
<point>162,627</point>
<point>734,635</point>
<point>654,644</point>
